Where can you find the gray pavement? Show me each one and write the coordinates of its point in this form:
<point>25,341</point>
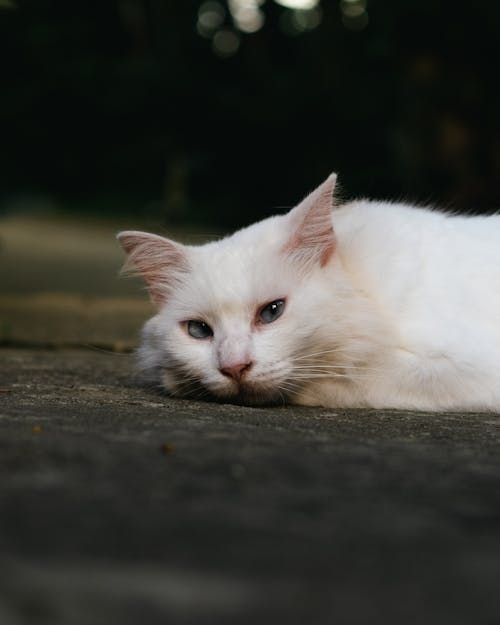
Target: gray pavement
<point>120,505</point>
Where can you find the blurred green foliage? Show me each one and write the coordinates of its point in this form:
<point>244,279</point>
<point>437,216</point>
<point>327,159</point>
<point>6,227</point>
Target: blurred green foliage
<point>139,105</point>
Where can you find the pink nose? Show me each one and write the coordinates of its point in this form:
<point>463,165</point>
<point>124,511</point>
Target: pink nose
<point>236,371</point>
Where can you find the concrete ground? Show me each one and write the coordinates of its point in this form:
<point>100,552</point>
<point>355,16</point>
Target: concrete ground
<point>120,505</point>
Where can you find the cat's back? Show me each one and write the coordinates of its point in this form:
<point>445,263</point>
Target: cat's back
<point>391,220</point>
<point>420,263</point>
<point>388,232</point>
<point>435,280</point>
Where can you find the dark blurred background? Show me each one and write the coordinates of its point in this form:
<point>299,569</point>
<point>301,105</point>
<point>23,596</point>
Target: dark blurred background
<point>217,112</point>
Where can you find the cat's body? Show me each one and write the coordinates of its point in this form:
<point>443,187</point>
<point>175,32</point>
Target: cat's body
<point>380,305</point>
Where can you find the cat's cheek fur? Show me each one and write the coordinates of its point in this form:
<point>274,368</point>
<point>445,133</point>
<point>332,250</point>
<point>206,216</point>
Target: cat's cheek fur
<point>181,365</point>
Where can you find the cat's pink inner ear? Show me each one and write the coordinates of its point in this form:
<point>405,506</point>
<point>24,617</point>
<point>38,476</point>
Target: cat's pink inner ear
<point>159,261</point>
<point>313,238</point>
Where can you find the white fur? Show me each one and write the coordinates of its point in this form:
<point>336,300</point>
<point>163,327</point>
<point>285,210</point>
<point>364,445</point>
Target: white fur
<point>404,314</point>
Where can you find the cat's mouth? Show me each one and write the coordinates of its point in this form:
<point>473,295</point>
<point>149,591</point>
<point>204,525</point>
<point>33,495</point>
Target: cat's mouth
<point>245,394</point>
<point>264,392</point>
<point>253,393</point>
<point>259,397</point>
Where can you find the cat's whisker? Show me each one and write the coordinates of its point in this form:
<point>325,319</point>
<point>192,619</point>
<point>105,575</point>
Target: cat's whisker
<point>349,349</point>
<point>333,374</point>
<point>354,374</point>
<point>190,378</point>
<point>290,388</point>
<point>187,386</point>
<point>289,383</point>
<point>320,365</point>
<point>183,384</point>
<point>309,376</point>
<point>193,388</point>
<point>202,393</point>
<point>327,365</point>
<point>283,400</point>
<point>305,374</point>
<point>315,354</point>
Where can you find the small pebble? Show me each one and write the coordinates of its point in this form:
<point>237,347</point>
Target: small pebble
<point>167,449</point>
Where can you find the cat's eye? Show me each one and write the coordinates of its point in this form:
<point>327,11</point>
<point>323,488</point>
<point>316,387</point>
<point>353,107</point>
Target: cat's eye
<point>270,312</point>
<point>199,329</point>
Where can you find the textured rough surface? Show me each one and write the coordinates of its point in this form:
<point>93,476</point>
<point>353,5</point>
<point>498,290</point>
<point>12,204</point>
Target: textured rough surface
<point>119,505</point>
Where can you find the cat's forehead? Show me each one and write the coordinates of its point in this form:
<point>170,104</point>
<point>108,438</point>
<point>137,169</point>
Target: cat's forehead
<point>246,251</point>
<point>264,236</point>
<point>243,269</point>
<point>242,272</point>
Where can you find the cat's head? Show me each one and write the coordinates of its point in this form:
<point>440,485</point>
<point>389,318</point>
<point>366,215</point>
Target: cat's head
<point>240,318</point>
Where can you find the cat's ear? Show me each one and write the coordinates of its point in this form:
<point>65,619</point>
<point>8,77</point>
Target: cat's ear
<point>312,240</point>
<point>161,262</point>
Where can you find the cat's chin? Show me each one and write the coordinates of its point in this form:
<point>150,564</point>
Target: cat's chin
<point>248,396</point>
<point>255,398</point>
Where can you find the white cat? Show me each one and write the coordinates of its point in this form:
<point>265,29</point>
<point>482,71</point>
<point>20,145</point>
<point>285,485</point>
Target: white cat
<point>364,304</point>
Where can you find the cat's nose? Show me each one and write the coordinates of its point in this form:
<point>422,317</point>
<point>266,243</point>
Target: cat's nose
<point>236,371</point>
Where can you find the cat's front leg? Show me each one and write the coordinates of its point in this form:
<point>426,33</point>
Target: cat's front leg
<point>331,394</point>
